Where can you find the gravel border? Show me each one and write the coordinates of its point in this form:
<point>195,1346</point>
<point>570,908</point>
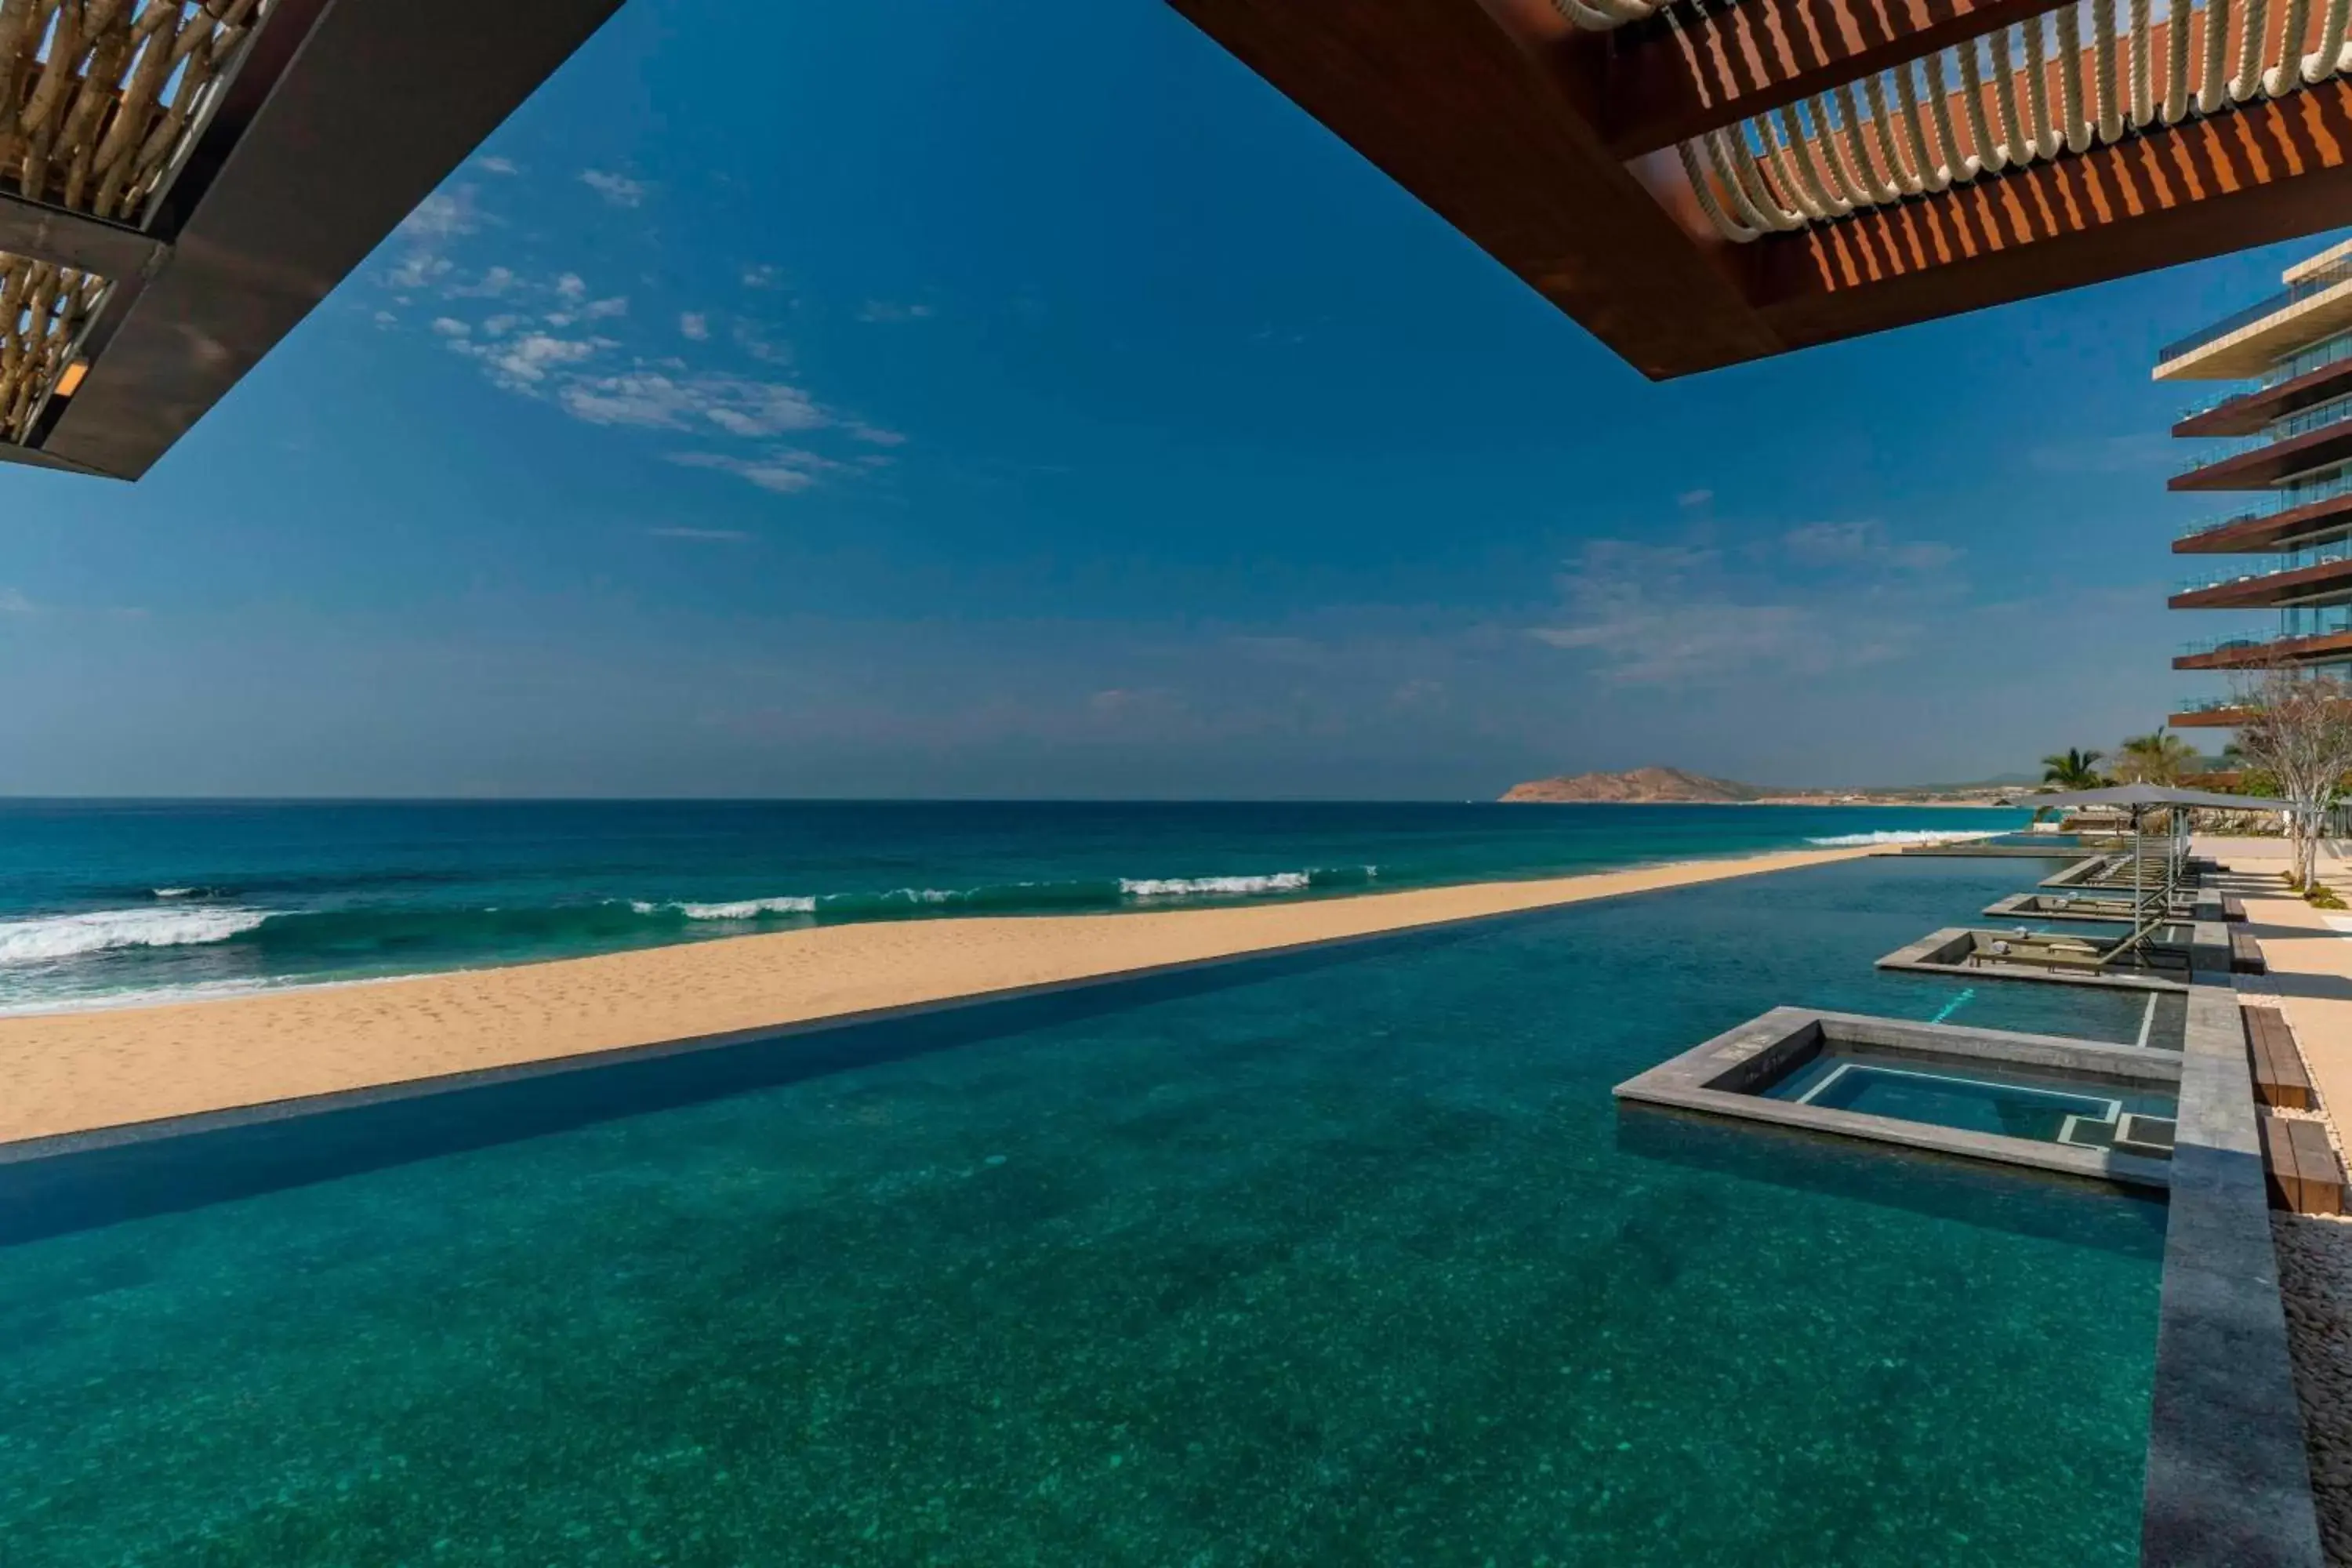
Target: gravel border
<point>2314,1255</point>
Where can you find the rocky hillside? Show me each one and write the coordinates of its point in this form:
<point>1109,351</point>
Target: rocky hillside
<point>1640,786</point>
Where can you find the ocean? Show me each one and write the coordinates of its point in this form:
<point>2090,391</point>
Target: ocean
<point>115,902</point>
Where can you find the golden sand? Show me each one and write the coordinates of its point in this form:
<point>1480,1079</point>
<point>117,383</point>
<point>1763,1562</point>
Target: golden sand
<point>76,1071</point>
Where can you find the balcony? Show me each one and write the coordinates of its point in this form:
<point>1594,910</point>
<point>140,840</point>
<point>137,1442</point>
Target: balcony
<point>2253,653</point>
<point>2316,304</point>
<point>2311,439</point>
<point>2209,714</point>
<point>2295,579</point>
<point>2249,413</point>
<point>2280,521</point>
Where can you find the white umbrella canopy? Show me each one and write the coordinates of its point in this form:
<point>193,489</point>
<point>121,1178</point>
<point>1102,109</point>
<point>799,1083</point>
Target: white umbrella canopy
<point>2140,796</point>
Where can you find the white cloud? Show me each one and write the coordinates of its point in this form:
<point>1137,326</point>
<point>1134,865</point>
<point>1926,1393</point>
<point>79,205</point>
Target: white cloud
<point>1669,615</point>
<point>752,339</point>
<point>706,535</point>
<point>782,471</point>
<point>494,165</point>
<point>618,189</point>
<point>13,602</point>
<point>886,310</point>
<point>553,340</point>
<point>1699,497</point>
<point>490,284</point>
<point>527,362</point>
<point>444,215</point>
<point>420,269</point>
<point>1865,545</point>
<point>655,400</point>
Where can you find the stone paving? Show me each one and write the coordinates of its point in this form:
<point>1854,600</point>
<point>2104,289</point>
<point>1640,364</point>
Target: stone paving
<point>2310,980</point>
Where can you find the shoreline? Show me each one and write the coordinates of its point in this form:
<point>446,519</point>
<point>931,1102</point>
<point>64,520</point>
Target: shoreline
<point>274,986</point>
<point>1818,801</point>
<point>93,1069</point>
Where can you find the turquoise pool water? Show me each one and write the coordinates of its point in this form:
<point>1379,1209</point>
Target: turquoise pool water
<point>1988,1096</point>
<point>1342,1260</point>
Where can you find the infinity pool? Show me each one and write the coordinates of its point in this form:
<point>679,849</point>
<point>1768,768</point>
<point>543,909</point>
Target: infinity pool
<point>1344,1260</point>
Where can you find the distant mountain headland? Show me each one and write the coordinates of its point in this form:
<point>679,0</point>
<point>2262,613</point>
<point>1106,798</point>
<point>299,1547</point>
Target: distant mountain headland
<point>1640,786</point>
<point>1679,786</point>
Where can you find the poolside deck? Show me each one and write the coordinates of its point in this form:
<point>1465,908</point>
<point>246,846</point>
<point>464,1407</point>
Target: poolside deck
<point>2308,988</point>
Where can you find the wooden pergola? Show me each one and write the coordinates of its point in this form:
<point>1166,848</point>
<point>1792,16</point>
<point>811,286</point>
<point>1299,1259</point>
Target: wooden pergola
<point>1704,181</point>
<point>1698,181</point>
<point>181,181</point>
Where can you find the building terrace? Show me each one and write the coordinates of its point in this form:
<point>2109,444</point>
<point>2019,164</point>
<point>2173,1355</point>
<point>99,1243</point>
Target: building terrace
<point>2289,439</point>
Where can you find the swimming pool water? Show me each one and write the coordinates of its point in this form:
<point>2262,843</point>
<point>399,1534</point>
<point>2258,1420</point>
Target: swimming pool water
<point>1988,1096</point>
<point>1344,1261</point>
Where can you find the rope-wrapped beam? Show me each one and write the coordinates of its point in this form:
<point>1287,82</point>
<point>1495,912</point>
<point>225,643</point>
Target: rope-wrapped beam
<point>99,98</point>
<point>43,308</point>
<point>2027,93</point>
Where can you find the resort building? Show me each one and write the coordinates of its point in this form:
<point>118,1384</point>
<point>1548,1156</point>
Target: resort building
<point>2279,442</point>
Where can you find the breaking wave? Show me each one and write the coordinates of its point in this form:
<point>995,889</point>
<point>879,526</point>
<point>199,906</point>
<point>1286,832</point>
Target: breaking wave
<point>1215,887</point>
<point>740,910</point>
<point>46,939</point>
<point>1005,898</point>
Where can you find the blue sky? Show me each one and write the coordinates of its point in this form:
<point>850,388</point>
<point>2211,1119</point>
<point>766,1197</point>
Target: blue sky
<point>916,399</point>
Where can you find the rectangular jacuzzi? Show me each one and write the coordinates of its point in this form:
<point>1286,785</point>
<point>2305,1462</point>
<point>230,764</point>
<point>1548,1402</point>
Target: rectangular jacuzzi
<point>1986,1098</point>
<point>2086,1109</point>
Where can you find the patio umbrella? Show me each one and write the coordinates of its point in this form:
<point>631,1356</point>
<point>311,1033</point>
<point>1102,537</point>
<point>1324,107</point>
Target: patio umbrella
<point>2141,798</point>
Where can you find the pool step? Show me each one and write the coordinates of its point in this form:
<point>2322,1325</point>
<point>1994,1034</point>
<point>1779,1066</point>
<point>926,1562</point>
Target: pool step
<point>2246,954</point>
<point>2280,1077</point>
<point>2304,1175</point>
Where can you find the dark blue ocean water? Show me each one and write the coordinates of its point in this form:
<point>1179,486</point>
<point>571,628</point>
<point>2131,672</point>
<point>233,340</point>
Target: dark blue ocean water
<point>111,900</point>
<point>1341,1258</point>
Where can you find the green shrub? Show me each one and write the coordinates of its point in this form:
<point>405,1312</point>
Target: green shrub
<point>2324,898</point>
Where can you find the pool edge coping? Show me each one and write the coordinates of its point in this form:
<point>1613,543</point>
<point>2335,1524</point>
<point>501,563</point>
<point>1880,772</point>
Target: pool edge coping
<point>2229,1477</point>
<point>1682,1083</point>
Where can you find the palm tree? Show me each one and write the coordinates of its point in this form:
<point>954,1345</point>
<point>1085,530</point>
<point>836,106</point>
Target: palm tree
<point>2071,769</point>
<point>2157,759</point>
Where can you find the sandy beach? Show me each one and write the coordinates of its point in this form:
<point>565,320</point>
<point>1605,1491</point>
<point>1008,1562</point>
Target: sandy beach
<point>76,1072</point>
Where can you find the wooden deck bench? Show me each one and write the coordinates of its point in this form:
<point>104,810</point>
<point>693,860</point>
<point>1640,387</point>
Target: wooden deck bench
<point>2233,911</point>
<point>2302,1172</point>
<point>2280,1077</point>
<point>2246,954</point>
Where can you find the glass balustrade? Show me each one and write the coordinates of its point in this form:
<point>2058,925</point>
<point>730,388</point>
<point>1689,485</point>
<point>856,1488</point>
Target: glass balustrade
<point>2328,350</point>
<point>2319,282</point>
<point>2307,490</point>
<point>2303,421</point>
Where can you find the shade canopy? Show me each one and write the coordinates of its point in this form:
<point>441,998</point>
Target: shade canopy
<point>2136,796</point>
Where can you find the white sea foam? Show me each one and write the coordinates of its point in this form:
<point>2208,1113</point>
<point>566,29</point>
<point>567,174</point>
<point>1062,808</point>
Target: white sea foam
<point>1226,886</point>
<point>48,937</point>
<point>174,892</point>
<point>1901,835</point>
<point>739,909</point>
<point>12,1006</point>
